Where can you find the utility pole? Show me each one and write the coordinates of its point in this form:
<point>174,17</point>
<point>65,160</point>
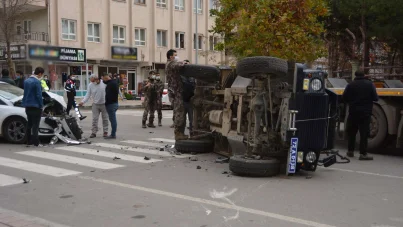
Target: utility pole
<point>196,34</point>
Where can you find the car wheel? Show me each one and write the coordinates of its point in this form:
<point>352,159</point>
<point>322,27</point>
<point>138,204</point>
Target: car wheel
<point>209,74</point>
<point>194,146</point>
<point>14,130</point>
<point>242,166</point>
<point>266,65</point>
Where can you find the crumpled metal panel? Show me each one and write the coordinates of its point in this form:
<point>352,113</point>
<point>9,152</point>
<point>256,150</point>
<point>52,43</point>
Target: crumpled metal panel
<point>240,85</point>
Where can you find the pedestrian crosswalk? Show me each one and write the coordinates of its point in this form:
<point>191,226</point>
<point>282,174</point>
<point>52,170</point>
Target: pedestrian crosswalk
<point>111,156</point>
<point>136,113</point>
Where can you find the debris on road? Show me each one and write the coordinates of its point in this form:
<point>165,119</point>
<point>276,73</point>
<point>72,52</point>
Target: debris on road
<point>193,159</point>
<point>116,158</point>
<point>26,181</point>
<point>308,177</point>
<point>222,160</point>
<point>225,172</point>
<point>146,158</point>
<point>198,167</point>
<point>92,171</point>
<point>162,149</point>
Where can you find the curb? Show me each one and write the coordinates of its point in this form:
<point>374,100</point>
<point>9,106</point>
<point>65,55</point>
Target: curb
<point>127,107</point>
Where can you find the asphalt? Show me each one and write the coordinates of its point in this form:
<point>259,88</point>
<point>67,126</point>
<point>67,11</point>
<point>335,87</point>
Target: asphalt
<point>175,193</point>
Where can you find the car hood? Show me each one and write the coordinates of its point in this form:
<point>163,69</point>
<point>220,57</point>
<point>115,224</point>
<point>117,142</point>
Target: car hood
<point>57,98</point>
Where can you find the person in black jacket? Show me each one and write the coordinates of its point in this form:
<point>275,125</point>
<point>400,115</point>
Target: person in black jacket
<point>359,95</point>
<point>111,102</point>
<point>19,79</point>
<point>70,88</point>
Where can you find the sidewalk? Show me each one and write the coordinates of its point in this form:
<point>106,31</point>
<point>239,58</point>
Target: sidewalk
<point>123,104</point>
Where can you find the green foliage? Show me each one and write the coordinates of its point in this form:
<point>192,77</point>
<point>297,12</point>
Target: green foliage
<point>129,96</point>
<point>288,29</point>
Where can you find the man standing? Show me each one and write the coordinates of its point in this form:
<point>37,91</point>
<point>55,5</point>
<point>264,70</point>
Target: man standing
<point>96,91</point>
<point>150,101</point>
<point>33,103</point>
<point>359,95</point>
<point>19,79</point>
<point>188,93</point>
<point>160,88</point>
<point>6,77</point>
<point>172,70</point>
<point>70,88</point>
<point>111,103</point>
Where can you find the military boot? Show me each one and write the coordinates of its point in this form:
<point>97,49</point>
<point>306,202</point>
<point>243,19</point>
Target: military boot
<point>144,124</point>
<point>159,122</point>
<point>180,136</point>
<point>151,124</point>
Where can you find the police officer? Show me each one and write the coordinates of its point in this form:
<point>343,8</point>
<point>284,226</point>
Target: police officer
<point>359,95</point>
<point>150,101</point>
<point>70,88</point>
<point>160,87</point>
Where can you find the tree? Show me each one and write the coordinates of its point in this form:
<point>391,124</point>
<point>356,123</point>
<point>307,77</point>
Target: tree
<point>288,29</point>
<point>10,12</point>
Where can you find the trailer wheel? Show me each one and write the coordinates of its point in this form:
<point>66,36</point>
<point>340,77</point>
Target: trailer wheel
<point>378,129</point>
<point>241,166</point>
<point>204,73</point>
<point>267,65</point>
<point>194,146</point>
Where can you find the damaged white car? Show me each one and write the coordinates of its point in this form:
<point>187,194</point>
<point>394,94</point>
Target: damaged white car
<point>55,122</point>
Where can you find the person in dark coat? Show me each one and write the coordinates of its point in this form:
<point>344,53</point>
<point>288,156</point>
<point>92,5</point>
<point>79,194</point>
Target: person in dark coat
<point>6,77</point>
<point>360,96</point>
<point>19,79</point>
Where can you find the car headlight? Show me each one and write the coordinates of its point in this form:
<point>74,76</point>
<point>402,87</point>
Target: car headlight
<point>310,157</point>
<point>316,84</point>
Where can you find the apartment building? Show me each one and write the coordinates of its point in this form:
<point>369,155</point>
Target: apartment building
<point>128,37</point>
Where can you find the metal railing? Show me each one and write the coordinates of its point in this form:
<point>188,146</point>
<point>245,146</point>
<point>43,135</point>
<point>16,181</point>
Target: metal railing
<point>25,37</point>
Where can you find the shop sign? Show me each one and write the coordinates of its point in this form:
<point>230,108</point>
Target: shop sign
<point>53,53</point>
<point>124,53</point>
<point>18,52</point>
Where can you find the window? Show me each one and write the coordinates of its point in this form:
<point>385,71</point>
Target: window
<point>199,4</point>
<point>69,29</point>
<point>94,34</point>
<point>161,38</point>
<point>179,40</point>
<point>140,36</point>
<point>140,2</point>
<point>162,3</point>
<point>198,43</point>
<point>213,42</point>
<point>214,4</point>
<point>119,34</point>
<point>180,5</point>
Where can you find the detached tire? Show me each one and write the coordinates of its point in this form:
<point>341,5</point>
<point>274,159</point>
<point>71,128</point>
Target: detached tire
<point>266,65</point>
<point>254,168</point>
<point>378,129</point>
<point>209,74</point>
<point>194,146</point>
<point>14,130</point>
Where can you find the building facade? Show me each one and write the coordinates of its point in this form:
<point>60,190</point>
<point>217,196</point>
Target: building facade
<point>128,37</point>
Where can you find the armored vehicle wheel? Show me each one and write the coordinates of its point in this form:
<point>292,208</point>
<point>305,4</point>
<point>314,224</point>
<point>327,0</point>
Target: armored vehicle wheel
<point>378,129</point>
<point>267,65</point>
<point>209,74</point>
<point>241,166</point>
<point>194,146</point>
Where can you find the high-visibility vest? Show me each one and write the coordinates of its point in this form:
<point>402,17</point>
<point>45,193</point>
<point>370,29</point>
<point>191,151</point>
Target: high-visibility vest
<point>44,85</point>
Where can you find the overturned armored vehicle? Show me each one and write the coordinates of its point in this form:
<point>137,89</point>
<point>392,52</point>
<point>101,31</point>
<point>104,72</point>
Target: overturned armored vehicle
<point>268,116</point>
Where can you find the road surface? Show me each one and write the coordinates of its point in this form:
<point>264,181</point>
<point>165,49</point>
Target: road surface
<point>109,183</point>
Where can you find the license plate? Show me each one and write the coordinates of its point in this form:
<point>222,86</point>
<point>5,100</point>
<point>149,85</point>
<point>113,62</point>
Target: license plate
<point>292,162</point>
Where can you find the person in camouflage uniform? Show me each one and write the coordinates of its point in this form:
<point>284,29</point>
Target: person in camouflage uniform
<point>172,69</point>
<point>160,86</point>
<point>150,101</point>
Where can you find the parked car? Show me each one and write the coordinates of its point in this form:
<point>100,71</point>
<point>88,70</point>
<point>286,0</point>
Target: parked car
<point>13,118</point>
<point>165,99</point>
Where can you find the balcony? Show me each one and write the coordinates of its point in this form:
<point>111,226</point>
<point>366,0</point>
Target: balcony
<point>29,37</point>
<point>27,6</point>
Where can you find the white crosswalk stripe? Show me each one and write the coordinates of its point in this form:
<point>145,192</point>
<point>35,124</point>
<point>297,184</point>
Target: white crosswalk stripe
<point>66,155</point>
<point>162,140</point>
<point>6,180</point>
<point>146,144</point>
<point>108,154</point>
<point>140,150</point>
<point>36,168</point>
<point>72,160</point>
